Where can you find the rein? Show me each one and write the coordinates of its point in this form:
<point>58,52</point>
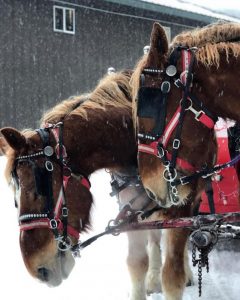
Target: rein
<point>201,223</point>
<point>53,217</point>
<point>152,103</point>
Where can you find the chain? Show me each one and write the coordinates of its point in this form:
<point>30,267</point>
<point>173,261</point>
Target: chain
<point>199,277</point>
<point>194,261</point>
<point>201,262</point>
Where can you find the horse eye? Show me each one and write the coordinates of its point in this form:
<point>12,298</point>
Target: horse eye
<point>15,183</point>
<point>15,202</point>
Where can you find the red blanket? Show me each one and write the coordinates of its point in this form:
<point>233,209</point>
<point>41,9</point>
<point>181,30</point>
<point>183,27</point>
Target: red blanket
<point>226,183</point>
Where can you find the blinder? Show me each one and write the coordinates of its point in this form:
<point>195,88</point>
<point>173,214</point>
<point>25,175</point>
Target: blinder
<point>54,215</point>
<point>149,102</point>
<point>152,103</point>
<point>41,178</point>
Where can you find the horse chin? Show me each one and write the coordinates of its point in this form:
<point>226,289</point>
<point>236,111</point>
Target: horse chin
<point>164,198</point>
<point>56,271</point>
<point>158,189</point>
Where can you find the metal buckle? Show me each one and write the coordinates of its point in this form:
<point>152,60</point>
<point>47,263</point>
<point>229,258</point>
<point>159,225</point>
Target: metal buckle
<point>64,212</point>
<point>176,144</point>
<point>178,83</point>
<point>161,152</point>
<point>197,113</point>
<point>53,224</point>
<point>181,179</point>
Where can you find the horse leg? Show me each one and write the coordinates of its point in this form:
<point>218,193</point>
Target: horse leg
<point>187,268</point>
<point>137,261</point>
<point>174,276</point>
<point>153,282</point>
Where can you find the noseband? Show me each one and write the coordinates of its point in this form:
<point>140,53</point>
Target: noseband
<point>53,217</point>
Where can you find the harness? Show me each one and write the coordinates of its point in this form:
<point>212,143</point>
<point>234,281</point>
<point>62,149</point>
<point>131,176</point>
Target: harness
<point>222,189</point>
<point>54,217</point>
<point>152,103</point>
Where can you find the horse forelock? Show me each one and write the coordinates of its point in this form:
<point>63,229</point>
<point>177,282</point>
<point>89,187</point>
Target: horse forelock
<point>11,155</point>
<point>211,41</point>
<point>113,90</point>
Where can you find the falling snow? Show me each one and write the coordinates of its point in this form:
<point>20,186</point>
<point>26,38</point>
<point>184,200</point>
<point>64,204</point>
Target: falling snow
<point>101,272</point>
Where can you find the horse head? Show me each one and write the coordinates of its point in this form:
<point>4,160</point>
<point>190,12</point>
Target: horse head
<point>50,168</point>
<point>53,203</point>
<point>180,91</point>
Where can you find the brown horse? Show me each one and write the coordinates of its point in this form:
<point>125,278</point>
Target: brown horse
<point>175,122</point>
<point>97,132</point>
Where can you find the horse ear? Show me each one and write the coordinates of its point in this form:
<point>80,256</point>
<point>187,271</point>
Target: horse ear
<point>13,138</point>
<point>3,146</point>
<point>158,45</point>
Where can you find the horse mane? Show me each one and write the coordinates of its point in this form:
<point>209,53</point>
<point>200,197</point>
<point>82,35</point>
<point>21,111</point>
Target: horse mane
<point>211,40</point>
<point>113,90</point>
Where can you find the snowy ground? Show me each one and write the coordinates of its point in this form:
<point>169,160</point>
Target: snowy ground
<point>100,273</point>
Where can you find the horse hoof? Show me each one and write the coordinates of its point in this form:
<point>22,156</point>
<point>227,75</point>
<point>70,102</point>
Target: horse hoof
<point>155,291</point>
<point>153,284</point>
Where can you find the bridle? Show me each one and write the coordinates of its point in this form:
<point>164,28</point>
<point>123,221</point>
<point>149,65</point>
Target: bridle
<point>54,217</point>
<point>152,103</point>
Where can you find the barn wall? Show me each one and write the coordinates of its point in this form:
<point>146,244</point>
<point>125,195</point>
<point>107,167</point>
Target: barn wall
<point>39,67</point>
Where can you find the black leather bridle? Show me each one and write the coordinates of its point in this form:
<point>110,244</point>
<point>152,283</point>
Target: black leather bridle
<point>54,216</point>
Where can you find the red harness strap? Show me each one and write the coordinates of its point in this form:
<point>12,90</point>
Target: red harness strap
<point>200,116</point>
<point>225,184</point>
<point>45,222</point>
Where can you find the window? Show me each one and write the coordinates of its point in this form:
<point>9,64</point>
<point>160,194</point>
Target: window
<point>64,19</point>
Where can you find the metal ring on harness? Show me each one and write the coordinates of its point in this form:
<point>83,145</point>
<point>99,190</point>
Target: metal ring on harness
<point>168,176</point>
<point>111,224</point>
<point>175,200</point>
<point>161,152</point>
<point>64,244</point>
<point>49,166</point>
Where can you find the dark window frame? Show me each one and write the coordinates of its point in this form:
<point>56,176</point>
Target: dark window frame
<point>64,19</point>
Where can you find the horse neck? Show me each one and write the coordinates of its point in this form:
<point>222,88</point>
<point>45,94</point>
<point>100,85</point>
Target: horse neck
<point>104,140</point>
<point>218,87</point>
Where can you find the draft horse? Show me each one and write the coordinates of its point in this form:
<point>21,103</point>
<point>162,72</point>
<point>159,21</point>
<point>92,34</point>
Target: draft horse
<point>50,168</point>
<point>180,91</point>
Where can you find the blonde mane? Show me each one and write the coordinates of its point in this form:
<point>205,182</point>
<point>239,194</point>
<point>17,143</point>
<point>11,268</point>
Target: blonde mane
<point>211,40</point>
<point>112,90</point>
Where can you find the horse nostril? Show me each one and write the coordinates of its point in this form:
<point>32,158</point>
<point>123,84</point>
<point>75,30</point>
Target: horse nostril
<point>150,194</point>
<point>43,274</point>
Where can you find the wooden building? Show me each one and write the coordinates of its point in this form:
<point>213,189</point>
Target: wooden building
<point>50,50</point>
